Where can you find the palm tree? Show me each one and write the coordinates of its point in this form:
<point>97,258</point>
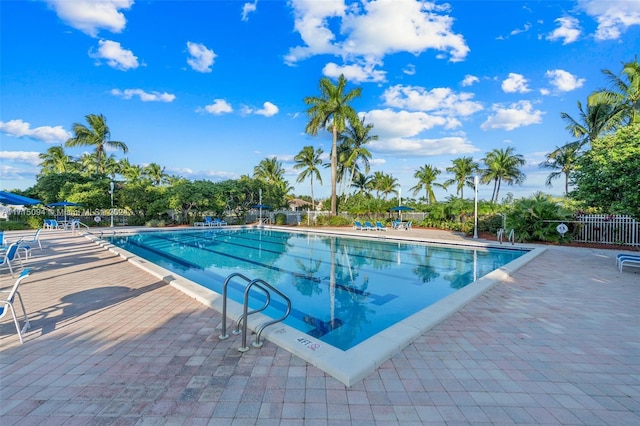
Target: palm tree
<point>502,166</point>
<point>598,119</point>
<point>624,96</point>
<point>332,109</point>
<point>55,160</point>
<point>156,173</point>
<point>269,170</point>
<point>308,159</point>
<point>354,139</point>
<point>385,184</point>
<point>463,169</point>
<point>131,172</point>
<point>426,176</point>
<point>562,161</point>
<point>362,183</point>
<point>88,163</point>
<point>97,135</point>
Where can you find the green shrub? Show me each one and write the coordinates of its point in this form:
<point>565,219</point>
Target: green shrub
<point>333,221</point>
<point>536,219</point>
<point>155,223</point>
<point>280,219</point>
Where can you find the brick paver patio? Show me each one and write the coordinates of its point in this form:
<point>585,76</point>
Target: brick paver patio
<point>558,343</point>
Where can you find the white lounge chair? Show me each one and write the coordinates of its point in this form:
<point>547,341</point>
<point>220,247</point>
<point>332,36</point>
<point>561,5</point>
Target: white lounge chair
<point>10,256</point>
<point>34,239</point>
<point>623,259</point>
<point>6,305</point>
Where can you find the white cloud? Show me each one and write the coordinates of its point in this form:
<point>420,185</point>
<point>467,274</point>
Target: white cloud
<point>441,100</point>
<point>410,69</point>
<point>248,8</point>
<point>201,59</point>
<point>469,80</point>
<point>515,83</point>
<point>29,157</point>
<point>404,124</point>
<point>89,16</point>
<point>524,29</point>
<point>613,16</point>
<point>452,145</point>
<point>355,73</point>
<point>513,116</point>
<point>21,129</point>
<point>219,106</point>
<point>569,30</point>
<point>144,96</point>
<point>268,109</point>
<point>564,81</point>
<point>373,29</point>
<point>115,56</point>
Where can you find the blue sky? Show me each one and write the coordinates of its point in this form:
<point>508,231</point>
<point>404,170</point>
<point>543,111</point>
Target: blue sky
<point>208,89</point>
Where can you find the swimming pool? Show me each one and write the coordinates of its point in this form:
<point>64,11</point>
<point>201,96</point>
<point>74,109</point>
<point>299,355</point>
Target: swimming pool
<point>343,290</point>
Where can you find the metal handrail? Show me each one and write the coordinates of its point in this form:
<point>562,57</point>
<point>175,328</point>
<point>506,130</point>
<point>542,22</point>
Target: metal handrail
<point>267,289</point>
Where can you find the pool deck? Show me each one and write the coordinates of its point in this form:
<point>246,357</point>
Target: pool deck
<point>558,342</point>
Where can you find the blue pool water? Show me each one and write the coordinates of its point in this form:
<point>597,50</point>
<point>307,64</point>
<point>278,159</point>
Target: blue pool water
<point>343,290</point>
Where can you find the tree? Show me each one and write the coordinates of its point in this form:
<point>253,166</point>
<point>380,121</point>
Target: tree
<point>55,160</point>
<point>502,166</point>
<point>607,175</point>
<point>354,139</point>
<point>332,109</point>
<point>562,161</point>
<point>385,184</point>
<point>97,135</point>
<point>269,170</point>
<point>155,173</point>
<point>131,172</point>
<point>463,169</point>
<point>593,122</point>
<point>308,160</point>
<point>363,184</point>
<point>426,176</point>
<point>623,96</point>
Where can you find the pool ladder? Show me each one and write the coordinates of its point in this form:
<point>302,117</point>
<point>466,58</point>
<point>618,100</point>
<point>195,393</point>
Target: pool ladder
<point>511,238</point>
<point>267,289</point>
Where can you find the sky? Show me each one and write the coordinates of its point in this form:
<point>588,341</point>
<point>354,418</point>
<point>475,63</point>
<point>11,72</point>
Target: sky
<point>208,89</point>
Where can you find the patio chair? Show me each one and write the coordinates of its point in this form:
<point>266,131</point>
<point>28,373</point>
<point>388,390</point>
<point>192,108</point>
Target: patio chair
<point>219,222</point>
<point>380,226</point>
<point>623,259</point>
<point>35,239</point>
<point>408,225</point>
<point>357,225</point>
<point>10,256</point>
<point>368,226</point>
<point>396,224</point>
<point>6,305</point>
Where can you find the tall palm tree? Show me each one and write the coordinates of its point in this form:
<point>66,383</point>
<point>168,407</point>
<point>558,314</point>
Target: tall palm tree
<point>463,169</point>
<point>427,176</point>
<point>97,135</point>
<point>131,172</point>
<point>332,109</point>
<point>353,141</point>
<point>562,160</point>
<point>55,160</point>
<point>308,160</point>
<point>624,96</point>
<point>502,166</point>
<point>598,119</point>
<point>88,163</point>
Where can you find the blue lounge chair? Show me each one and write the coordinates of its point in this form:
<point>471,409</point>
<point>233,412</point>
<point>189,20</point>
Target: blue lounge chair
<point>10,256</point>
<point>396,224</point>
<point>380,226</point>
<point>6,305</point>
<point>408,225</point>
<point>357,226</point>
<point>628,260</point>
<point>218,222</point>
<point>368,226</point>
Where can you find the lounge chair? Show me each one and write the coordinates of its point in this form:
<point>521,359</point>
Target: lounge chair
<point>6,305</point>
<point>368,226</point>
<point>357,226</point>
<point>396,224</point>
<point>408,225</point>
<point>35,239</point>
<point>380,226</point>
<point>219,222</point>
<point>628,260</point>
<point>10,256</point>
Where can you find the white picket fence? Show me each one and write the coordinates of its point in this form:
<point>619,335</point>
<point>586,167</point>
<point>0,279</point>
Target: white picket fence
<point>605,229</point>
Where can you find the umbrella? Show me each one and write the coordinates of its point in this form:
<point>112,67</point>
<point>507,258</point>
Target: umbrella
<point>64,204</point>
<point>400,209</point>
<point>15,199</point>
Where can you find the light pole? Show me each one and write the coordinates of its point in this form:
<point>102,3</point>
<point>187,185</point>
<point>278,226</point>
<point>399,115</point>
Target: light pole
<point>475,219</point>
<point>111,185</point>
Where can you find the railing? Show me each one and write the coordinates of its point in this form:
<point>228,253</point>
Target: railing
<point>511,237</point>
<point>608,229</point>
<point>267,289</point>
